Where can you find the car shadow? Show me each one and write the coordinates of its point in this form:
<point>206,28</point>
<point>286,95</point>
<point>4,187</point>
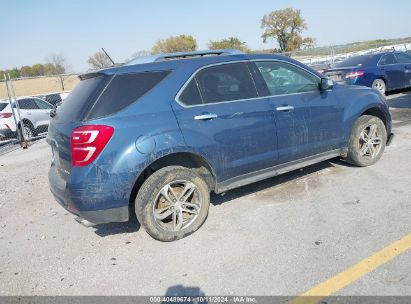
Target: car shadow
<point>218,199</point>
<point>131,226</point>
<point>183,291</point>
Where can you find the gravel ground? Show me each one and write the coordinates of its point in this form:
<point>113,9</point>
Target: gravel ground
<point>277,237</point>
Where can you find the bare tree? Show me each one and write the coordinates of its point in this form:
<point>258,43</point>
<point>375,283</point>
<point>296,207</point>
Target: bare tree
<point>57,66</point>
<point>99,61</point>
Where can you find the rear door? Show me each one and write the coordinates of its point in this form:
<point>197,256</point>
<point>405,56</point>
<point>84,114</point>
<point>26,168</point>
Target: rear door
<point>393,70</point>
<point>222,118</point>
<point>308,121</point>
<point>29,110</point>
<point>405,60</point>
<point>43,115</point>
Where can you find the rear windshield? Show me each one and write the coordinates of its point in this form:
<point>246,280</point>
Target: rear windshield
<point>355,61</point>
<point>123,90</point>
<point>104,95</point>
<point>2,106</point>
<point>79,101</point>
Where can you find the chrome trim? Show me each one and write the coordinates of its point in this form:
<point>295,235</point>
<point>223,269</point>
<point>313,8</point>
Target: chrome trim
<point>285,108</point>
<point>262,174</point>
<point>206,116</point>
<point>177,98</point>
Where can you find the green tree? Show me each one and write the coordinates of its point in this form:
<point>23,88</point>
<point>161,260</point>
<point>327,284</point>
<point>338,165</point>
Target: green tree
<point>181,43</point>
<point>99,60</point>
<point>286,26</point>
<point>229,43</point>
<point>26,71</point>
<point>14,73</point>
<point>38,69</point>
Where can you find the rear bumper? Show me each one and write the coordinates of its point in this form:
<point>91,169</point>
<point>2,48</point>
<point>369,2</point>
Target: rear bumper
<point>7,133</point>
<point>85,205</point>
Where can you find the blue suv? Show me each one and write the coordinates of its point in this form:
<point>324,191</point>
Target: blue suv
<point>157,135</point>
<point>384,71</point>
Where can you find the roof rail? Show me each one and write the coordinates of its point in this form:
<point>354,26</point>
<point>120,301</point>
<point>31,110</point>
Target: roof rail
<point>182,55</point>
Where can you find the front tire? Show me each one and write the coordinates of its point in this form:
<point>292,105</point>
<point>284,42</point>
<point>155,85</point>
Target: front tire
<point>367,141</point>
<point>172,203</point>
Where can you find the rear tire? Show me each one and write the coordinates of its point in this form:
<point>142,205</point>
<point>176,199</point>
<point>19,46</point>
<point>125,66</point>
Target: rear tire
<point>380,85</point>
<point>367,141</point>
<point>172,203</point>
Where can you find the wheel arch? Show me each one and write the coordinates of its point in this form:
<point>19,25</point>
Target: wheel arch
<point>184,159</point>
<point>377,112</point>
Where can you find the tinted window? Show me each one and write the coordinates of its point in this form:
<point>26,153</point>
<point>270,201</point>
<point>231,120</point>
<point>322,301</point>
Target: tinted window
<point>80,99</point>
<point>387,59</point>
<point>355,61</point>
<point>282,78</point>
<point>225,83</point>
<point>42,105</point>
<point>123,90</point>
<point>403,58</point>
<point>191,94</point>
<point>2,106</point>
<point>53,98</point>
<point>27,104</point>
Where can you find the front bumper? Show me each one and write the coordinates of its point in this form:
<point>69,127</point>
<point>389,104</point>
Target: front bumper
<point>7,133</point>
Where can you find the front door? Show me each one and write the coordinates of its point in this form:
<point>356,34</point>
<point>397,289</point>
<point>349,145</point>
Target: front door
<point>308,121</point>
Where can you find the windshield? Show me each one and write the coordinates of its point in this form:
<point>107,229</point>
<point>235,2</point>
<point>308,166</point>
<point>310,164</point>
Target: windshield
<point>355,61</point>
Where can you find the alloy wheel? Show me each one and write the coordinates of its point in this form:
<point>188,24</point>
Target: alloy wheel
<point>177,205</point>
<point>370,141</point>
<point>28,133</point>
<point>379,84</point>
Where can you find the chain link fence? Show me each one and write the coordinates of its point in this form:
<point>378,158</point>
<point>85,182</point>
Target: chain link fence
<point>327,57</point>
<point>25,118</point>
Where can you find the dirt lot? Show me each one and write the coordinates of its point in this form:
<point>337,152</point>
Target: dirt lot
<point>40,85</point>
<point>277,237</point>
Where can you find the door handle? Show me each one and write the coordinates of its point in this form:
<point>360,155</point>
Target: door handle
<point>285,108</point>
<point>207,116</point>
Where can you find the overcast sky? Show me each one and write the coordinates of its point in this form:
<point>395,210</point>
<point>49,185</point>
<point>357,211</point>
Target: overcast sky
<point>32,30</point>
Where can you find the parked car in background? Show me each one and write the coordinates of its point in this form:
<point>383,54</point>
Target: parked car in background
<point>320,67</point>
<point>383,71</point>
<point>34,117</point>
<point>158,137</point>
<point>54,99</point>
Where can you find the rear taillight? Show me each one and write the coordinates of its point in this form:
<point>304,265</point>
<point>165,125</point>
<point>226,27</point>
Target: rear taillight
<point>354,74</point>
<point>5,115</point>
<point>87,142</point>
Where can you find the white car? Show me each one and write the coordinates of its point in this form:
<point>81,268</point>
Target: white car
<point>34,117</point>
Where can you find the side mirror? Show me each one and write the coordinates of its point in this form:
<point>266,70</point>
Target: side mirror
<point>326,84</point>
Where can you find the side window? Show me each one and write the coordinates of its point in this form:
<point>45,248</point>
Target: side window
<point>191,95</point>
<point>53,98</point>
<point>27,104</point>
<point>403,58</point>
<point>226,82</point>
<point>387,59</point>
<point>42,105</point>
<point>282,78</point>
